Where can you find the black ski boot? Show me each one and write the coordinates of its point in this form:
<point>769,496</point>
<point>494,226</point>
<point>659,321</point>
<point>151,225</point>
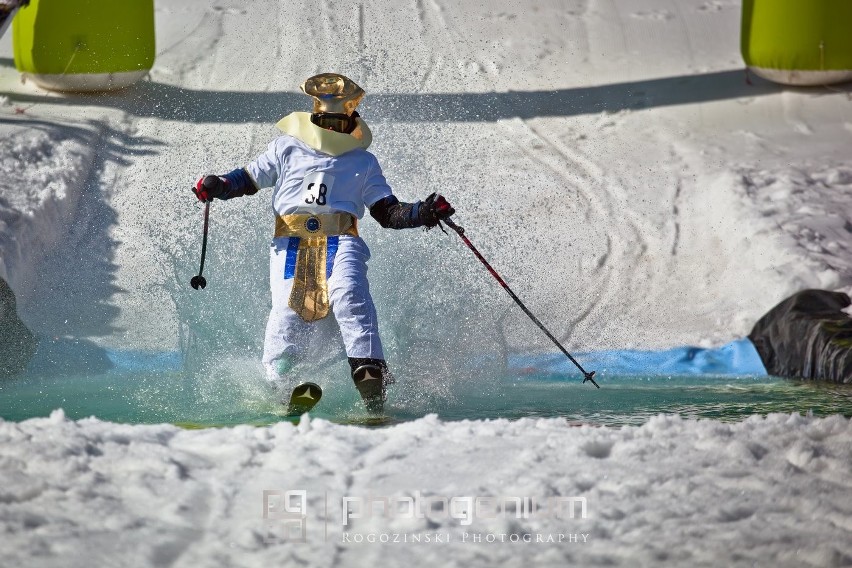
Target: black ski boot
<point>371,378</point>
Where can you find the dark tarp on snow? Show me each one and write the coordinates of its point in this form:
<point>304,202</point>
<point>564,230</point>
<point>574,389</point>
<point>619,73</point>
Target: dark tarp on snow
<point>808,336</point>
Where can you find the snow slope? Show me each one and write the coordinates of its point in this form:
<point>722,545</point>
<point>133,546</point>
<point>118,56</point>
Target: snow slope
<point>618,144</point>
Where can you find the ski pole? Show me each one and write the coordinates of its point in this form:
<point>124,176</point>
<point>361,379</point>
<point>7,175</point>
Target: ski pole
<point>460,230</point>
<point>199,281</point>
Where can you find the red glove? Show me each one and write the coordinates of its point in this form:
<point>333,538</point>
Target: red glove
<point>209,187</point>
<point>435,209</point>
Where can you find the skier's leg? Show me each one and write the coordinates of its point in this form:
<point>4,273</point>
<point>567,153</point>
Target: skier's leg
<point>286,333</point>
<point>284,346</point>
<point>352,304</point>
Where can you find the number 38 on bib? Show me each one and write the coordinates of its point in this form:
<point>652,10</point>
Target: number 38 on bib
<point>317,189</point>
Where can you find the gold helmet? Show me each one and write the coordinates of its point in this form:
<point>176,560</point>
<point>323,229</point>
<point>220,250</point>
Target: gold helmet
<point>333,93</point>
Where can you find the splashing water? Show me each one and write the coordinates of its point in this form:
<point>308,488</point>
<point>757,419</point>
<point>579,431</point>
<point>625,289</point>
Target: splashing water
<point>150,388</point>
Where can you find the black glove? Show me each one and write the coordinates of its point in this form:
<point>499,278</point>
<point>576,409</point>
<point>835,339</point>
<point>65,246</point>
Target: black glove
<point>435,209</point>
<point>209,187</point>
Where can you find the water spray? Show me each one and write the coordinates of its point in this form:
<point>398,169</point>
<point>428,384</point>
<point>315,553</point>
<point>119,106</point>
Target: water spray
<point>460,230</point>
<point>199,281</point>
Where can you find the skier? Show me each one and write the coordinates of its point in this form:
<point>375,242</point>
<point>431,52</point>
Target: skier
<point>323,178</point>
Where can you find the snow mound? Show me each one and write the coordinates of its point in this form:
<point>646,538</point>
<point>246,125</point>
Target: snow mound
<point>771,490</point>
<point>42,174</point>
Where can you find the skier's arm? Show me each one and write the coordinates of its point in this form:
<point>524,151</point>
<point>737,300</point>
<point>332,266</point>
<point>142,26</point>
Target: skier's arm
<point>233,184</point>
<point>262,172</point>
<point>393,214</point>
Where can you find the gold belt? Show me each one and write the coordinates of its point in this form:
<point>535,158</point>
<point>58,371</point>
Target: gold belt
<point>309,295</point>
<point>304,225</point>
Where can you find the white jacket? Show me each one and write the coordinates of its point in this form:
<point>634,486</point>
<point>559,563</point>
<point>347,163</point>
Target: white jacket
<point>313,170</point>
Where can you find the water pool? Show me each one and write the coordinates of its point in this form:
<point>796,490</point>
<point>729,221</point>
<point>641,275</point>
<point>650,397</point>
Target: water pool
<point>635,385</point>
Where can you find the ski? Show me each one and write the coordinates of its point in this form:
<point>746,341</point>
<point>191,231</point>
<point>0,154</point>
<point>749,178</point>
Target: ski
<point>370,421</point>
<point>303,398</point>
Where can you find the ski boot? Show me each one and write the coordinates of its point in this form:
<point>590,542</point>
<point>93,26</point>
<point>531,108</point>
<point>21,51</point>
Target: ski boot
<point>371,377</point>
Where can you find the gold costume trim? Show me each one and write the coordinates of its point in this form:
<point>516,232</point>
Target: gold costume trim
<point>333,93</point>
<point>309,295</point>
<point>299,125</point>
<point>300,225</point>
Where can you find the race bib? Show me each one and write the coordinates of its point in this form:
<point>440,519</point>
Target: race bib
<point>317,188</point>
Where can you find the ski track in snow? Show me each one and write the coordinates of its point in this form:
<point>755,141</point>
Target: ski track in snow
<point>579,176</point>
<point>634,232</point>
<point>630,234</point>
<point>815,203</point>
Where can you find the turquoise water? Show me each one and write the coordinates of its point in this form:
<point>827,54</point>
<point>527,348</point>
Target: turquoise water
<point>153,388</point>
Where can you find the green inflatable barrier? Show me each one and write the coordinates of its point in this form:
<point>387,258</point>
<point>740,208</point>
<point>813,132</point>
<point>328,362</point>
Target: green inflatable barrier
<point>84,45</point>
<point>798,42</point>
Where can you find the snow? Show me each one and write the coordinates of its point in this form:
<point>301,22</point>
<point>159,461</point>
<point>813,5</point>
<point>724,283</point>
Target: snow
<point>42,185</point>
<point>608,158</point>
<point>767,491</point>
<point>621,135</point>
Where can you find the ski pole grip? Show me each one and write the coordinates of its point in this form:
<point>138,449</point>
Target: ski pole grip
<point>449,222</point>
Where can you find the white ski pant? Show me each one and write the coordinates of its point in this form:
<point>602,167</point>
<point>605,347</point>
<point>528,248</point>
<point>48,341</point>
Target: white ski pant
<point>288,336</point>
